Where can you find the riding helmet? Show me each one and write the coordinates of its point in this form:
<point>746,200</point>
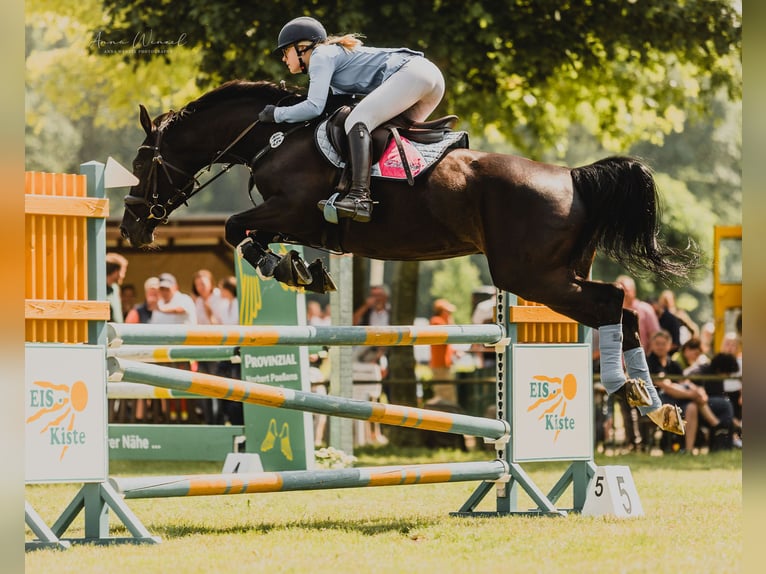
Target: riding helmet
<point>298,29</point>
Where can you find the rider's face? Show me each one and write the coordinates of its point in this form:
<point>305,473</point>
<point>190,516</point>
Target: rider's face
<point>290,58</point>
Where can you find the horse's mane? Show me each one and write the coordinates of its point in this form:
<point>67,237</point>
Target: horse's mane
<point>235,90</point>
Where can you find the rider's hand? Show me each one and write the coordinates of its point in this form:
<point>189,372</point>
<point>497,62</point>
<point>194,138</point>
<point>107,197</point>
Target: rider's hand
<point>267,114</point>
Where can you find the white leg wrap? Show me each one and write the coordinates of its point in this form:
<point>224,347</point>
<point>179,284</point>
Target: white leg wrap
<point>635,361</point>
<point>610,346</point>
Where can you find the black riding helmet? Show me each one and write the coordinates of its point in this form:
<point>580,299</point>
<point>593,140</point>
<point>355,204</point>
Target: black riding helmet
<point>299,29</point>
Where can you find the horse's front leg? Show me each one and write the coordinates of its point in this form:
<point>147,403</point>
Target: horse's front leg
<point>253,246</point>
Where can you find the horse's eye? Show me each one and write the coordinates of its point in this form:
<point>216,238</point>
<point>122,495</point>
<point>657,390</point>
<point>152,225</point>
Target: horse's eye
<point>137,166</point>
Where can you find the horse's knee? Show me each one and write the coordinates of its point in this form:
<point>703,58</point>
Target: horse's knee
<point>235,230</point>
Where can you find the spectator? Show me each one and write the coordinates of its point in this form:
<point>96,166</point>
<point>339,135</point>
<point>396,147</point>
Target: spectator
<point>690,355</point>
<point>229,305</point>
<point>668,322</point>
<point>733,386</point>
<point>722,365</point>
<point>485,312</point>
<point>648,323</point>
<point>315,314</point>
<point>229,314</point>
<point>127,298</point>
<point>707,334</point>
<point>691,399</point>
<point>116,268</point>
<point>375,312</point>
<point>207,298</point>
<point>174,307</point>
<point>142,314</point>
<point>441,355</point>
<point>207,303</point>
<point>688,327</point>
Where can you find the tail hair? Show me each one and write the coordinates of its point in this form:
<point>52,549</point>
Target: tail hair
<point>624,218</point>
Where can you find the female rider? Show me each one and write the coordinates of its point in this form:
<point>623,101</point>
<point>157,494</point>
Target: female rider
<point>394,81</point>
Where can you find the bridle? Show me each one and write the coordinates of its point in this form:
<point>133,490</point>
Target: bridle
<point>161,211</point>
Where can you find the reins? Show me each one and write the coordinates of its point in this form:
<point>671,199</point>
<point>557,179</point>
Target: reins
<point>161,211</point>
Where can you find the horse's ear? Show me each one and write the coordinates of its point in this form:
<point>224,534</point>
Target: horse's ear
<point>146,121</point>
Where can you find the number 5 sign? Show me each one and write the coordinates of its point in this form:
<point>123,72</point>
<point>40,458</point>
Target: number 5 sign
<point>612,491</point>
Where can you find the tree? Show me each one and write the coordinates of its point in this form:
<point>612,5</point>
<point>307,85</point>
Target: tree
<point>80,103</point>
<point>629,71</point>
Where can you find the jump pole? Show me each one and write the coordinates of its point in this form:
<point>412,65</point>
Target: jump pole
<point>292,480</point>
<point>178,353</point>
<point>279,397</point>
<point>143,334</point>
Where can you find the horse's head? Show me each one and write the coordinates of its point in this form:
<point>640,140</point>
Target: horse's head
<point>209,130</point>
<point>163,183</point>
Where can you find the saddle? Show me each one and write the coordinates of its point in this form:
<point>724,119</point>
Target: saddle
<point>399,136</point>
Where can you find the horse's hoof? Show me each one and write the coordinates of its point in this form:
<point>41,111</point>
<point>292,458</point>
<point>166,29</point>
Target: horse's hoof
<point>292,270</point>
<point>668,418</point>
<point>636,394</point>
<point>322,281</point>
<point>268,263</point>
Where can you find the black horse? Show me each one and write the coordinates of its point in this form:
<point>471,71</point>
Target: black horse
<point>539,225</point>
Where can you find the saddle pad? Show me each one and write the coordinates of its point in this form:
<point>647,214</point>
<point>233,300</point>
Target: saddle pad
<point>420,156</point>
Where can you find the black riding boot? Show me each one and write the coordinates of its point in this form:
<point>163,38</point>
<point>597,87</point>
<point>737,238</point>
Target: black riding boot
<point>357,203</point>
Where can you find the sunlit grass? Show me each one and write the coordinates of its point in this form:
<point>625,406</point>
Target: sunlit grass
<point>692,505</point>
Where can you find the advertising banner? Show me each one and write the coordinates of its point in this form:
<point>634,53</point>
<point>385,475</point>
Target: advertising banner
<point>283,438</point>
<point>552,402</point>
<point>65,413</point>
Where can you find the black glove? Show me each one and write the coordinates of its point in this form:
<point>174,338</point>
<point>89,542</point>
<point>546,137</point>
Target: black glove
<point>267,114</point>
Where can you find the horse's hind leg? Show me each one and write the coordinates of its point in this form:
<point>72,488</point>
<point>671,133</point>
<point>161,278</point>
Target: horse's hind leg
<point>599,305</point>
<point>639,389</point>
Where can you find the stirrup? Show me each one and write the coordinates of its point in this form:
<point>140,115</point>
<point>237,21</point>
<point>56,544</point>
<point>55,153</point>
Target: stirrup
<point>669,418</point>
<point>636,393</point>
<point>333,210</point>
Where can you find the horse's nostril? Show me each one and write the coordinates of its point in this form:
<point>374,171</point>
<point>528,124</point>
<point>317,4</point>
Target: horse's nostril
<point>123,232</point>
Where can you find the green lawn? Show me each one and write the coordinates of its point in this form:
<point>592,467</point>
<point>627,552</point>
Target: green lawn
<point>692,523</point>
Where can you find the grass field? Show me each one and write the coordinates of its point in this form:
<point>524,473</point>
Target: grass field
<point>692,523</point>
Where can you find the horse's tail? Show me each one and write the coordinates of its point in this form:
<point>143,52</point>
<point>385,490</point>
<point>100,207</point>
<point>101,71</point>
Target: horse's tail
<point>623,210</point>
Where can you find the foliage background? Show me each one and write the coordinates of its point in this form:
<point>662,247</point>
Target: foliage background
<point>557,80</point>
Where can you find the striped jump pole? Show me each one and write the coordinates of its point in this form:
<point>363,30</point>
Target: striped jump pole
<point>251,336</point>
<point>140,391</point>
<point>279,397</point>
<point>249,483</point>
<point>171,354</point>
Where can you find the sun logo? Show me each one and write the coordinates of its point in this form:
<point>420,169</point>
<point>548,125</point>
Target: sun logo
<point>57,402</point>
<point>553,393</point>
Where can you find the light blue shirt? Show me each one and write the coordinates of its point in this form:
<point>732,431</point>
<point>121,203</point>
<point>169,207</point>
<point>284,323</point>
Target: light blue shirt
<point>332,67</point>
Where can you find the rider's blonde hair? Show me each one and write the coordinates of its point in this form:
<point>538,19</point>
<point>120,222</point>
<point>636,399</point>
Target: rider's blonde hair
<point>347,41</point>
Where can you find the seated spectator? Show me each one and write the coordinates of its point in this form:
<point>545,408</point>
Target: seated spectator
<point>691,355</point>
<point>689,328</point>
<point>731,343</point>
<point>690,398</point>
<point>723,365</point>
